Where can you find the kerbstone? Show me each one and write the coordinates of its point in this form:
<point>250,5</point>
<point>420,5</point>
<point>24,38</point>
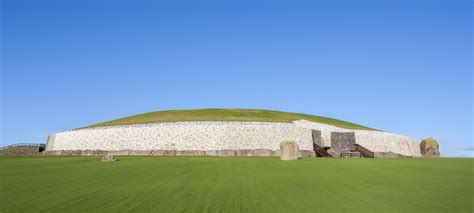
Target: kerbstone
<point>120,152</point>
<point>211,153</point>
<point>289,150</point>
<point>226,152</point>
<point>263,152</point>
<point>163,153</point>
<point>244,152</point>
<point>307,153</point>
<point>140,152</point>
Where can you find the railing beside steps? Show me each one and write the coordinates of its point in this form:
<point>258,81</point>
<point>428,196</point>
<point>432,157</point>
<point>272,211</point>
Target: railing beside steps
<point>320,151</point>
<point>364,151</point>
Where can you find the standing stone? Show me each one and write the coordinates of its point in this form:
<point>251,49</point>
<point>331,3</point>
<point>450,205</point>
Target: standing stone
<point>289,150</point>
<point>429,148</point>
<point>108,158</point>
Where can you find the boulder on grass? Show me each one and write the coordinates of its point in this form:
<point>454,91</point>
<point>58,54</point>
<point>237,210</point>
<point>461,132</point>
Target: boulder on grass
<point>108,158</point>
<point>289,150</point>
<point>429,148</point>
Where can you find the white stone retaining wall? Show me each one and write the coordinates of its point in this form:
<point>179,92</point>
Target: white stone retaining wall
<point>220,136</point>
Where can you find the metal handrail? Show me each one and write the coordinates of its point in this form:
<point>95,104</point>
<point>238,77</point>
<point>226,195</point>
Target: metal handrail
<point>321,151</point>
<point>364,151</point>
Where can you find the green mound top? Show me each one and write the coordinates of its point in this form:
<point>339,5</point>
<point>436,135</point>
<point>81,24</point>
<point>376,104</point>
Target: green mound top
<point>225,115</point>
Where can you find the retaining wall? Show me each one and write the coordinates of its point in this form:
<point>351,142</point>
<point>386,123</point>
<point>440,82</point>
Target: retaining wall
<point>20,150</point>
<point>209,136</point>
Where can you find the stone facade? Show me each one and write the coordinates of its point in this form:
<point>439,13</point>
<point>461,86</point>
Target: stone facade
<point>217,139</point>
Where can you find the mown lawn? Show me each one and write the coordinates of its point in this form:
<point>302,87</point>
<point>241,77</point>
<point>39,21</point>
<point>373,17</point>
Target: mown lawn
<point>245,184</point>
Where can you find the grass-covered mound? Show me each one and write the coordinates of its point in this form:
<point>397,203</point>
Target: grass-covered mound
<point>233,184</point>
<point>225,115</point>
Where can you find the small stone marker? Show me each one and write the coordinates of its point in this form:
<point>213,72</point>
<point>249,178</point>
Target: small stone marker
<point>108,158</point>
<point>289,150</point>
<point>429,148</point>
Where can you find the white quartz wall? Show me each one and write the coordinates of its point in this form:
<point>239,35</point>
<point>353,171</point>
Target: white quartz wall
<point>184,136</point>
<point>221,135</point>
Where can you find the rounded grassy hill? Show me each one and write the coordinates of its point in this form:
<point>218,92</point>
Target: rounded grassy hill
<point>225,115</point>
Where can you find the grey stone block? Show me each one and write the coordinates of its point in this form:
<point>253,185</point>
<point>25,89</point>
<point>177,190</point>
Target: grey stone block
<point>276,153</point>
<point>317,138</point>
<point>263,152</point>
<point>157,152</point>
<point>388,155</point>
<point>199,153</point>
<point>190,153</point>
<point>55,152</point>
<point>71,152</point>
<point>226,152</point>
<point>140,152</point>
<point>342,142</point>
<point>99,152</point>
<point>163,153</point>
<point>307,153</point>
<point>87,153</point>
<point>244,152</point>
<point>120,152</point>
<point>211,153</point>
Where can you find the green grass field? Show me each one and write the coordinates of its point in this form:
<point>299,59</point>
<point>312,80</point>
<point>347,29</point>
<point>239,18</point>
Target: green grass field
<point>245,184</point>
<point>225,115</point>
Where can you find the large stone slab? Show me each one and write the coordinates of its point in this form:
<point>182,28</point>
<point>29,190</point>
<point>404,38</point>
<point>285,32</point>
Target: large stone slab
<point>212,153</point>
<point>140,152</point>
<point>289,150</point>
<point>317,137</point>
<point>226,152</point>
<point>71,152</point>
<point>342,142</point>
<point>120,152</point>
<point>244,152</point>
<point>263,152</point>
<point>429,148</point>
<point>276,153</point>
<point>55,152</point>
<point>190,153</point>
<point>163,153</point>
<point>307,153</point>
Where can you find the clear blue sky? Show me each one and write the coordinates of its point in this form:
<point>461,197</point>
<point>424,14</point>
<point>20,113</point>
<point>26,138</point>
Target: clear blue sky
<point>401,66</point>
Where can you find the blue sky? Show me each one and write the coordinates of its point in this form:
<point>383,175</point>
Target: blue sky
<point>401,66</point>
